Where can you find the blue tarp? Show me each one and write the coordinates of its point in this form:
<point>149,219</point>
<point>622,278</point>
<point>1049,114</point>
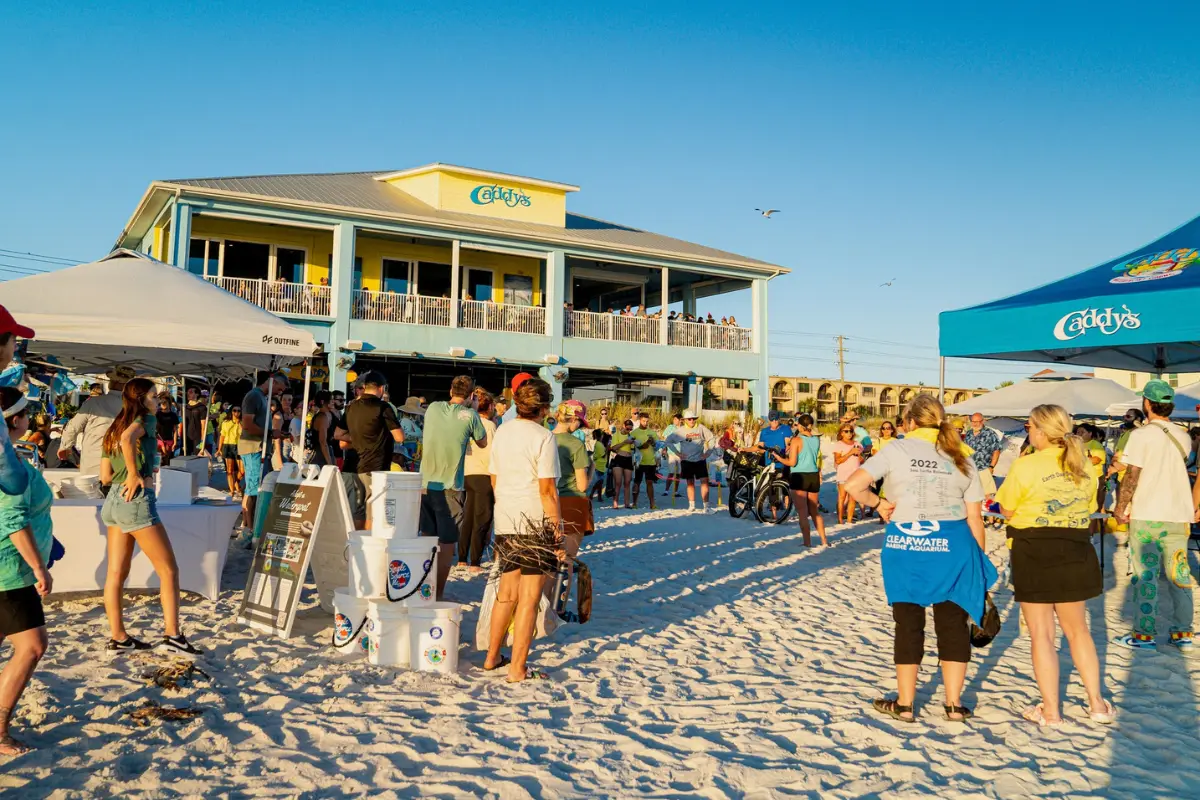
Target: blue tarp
<point>1138,312</point>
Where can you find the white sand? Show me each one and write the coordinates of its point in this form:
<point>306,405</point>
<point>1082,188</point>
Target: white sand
<point>723,659</point>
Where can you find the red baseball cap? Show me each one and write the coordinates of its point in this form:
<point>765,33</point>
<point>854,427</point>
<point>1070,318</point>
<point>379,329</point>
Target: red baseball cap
<point>519,379</point>
<point>9,325</point>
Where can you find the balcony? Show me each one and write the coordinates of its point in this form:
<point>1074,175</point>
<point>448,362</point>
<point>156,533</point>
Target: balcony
<point>646,330</point>
<point>280,297</point>
<point>416,309</point>
<point>709,337</point>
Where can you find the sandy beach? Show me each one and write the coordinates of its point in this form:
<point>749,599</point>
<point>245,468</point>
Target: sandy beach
<point>723,660</point>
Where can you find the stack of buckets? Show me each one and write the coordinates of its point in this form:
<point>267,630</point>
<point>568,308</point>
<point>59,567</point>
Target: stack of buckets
<point>389,611</point>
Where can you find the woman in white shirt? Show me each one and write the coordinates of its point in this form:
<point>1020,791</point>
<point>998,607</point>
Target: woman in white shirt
<point>529,537</point>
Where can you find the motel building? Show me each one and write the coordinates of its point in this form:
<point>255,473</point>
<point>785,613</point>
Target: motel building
<point>440,270</point>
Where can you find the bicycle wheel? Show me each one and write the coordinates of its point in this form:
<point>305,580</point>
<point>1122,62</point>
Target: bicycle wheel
<point>739,497</point>
<point>774,503</point>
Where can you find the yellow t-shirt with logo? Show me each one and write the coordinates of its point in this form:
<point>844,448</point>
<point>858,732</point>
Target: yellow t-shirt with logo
<point>645,447</point>
<point>600,457</point>
<point>615,449</point>
<point>1043,496</point>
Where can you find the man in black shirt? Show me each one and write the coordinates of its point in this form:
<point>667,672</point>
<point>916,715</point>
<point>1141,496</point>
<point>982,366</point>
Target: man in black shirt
<point>195,422</point>
<point>372,429</point>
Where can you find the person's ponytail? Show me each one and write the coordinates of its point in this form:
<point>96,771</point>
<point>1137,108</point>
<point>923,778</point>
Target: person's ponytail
<point>1074,458</point>
<point>951,445</point>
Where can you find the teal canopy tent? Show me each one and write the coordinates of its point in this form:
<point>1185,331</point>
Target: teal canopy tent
<point>1137,312</point>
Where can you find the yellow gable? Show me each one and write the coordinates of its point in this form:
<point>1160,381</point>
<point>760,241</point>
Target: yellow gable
<point>487,194</point>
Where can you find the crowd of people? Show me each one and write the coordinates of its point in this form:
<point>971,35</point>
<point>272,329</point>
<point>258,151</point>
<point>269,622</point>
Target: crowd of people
<point>673,316</point>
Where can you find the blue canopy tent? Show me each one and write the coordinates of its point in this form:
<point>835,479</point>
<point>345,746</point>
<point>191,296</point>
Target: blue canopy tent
<point>1137,312</point>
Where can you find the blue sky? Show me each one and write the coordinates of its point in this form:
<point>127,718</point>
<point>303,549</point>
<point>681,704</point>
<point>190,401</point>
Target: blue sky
<point>968,151</point>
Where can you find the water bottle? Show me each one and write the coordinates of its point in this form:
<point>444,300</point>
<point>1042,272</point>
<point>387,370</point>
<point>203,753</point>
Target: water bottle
<point>562,590</point>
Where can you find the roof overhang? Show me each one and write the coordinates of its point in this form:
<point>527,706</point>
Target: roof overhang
<point>476,173</point>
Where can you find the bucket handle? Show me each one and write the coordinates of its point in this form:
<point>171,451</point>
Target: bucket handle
<point>333,640</point>
<point>387,587</point>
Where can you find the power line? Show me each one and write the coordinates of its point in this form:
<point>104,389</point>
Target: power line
<point>21,269</point>
<point>23,256</point>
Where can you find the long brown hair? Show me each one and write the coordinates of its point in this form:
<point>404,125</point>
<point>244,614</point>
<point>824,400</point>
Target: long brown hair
<point>926,412</point>
<point>133,409</point>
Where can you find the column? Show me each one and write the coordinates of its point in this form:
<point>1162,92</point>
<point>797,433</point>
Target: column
<point>455,283</point>
<point>181,235</point>
<point>556,376</point>
<point>341,281</point>
<point>693,392</point>
<point>663,333</point>
<point>689,299</point>
<point>554,291</point>
<point>761,384</point>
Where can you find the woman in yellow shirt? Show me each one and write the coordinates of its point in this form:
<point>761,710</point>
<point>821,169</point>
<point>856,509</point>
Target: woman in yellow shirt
<point>227,442</point>
<point>1048,498</point>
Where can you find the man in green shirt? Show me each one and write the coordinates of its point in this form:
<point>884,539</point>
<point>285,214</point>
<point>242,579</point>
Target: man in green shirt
<point>647,466</point>
<point>449,428</point>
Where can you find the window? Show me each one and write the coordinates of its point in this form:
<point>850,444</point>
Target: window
<point>433,280</point>
<point>1133,380</point>
<point>479,284</point>
<point>396,276</point>
<point>289,264</point>
<point>804,388</point>
<point>518,290</point>
<point>868,391</point>
<point>247,260</point>
<point>204,257</point>
<point>736,383</point>
<point>1173,380</point>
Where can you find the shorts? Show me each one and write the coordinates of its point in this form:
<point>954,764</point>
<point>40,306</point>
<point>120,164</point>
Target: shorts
<point>229,452</point>
<point>529,553</point>
<point>694,470</point>
<point>673,463</point>
<point>577,516</point>
<point>441,514</point>
<point>647,471</point>
<point>622,462</point>
<point>252,465</point>
<point>987,482</point>
<point>805,481</point>
<point>21,610</point>
<point>1054,565</point>
<point>356,494</point>
<point>130,515</point>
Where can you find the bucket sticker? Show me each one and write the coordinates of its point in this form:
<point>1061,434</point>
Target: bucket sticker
<point>342,627</point>
<point>389,511</point>
<point>426,591</point>
<point>428,565</point>
<point>435,655</point>
<point>364,642</point>
<point>398,574</point>
<point>435,632</point>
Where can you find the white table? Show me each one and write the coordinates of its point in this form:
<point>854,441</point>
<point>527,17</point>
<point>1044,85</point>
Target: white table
<point>199,534</point>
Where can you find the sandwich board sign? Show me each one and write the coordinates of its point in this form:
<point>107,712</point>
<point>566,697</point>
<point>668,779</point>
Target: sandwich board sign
<point>309,507</point>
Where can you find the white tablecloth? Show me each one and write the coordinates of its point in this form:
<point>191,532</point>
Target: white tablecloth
<point>199,534</point>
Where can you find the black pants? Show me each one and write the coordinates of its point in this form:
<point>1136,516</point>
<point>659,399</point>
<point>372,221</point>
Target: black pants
<point>949,622</point>
<point>475,532</point>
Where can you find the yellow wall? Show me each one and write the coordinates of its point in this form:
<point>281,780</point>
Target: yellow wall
<point>372,251</point>
<point>450,191</point>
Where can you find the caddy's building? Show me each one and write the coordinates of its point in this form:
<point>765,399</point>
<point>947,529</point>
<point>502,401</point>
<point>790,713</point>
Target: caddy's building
<point>441,269</point>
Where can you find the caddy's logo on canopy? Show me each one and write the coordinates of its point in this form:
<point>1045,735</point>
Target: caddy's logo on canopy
<point>1166,264</point>
<point>485,195</point>
<point>1105,320</point>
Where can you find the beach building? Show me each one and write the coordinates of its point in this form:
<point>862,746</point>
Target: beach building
<point>1136,380</point>
<point>441,269</point>
<point>828,399</point>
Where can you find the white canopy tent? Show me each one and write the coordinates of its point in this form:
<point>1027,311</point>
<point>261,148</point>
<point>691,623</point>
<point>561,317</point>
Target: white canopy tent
<point>130,309</point>
<point>1086,397</point>
<point>1187,398</point>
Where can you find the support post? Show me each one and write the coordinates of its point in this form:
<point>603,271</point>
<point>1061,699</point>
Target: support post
<point>556,376</point>
<point>942,379</point>
<point>455,282</point>
<point>181,235</point>
<point>554,291</point>
<point>304,455</point>
<point>689,299</point>
<point>342,285</point>
<point>761,383</point>
<point>693,394</point>
<point>663,332</point>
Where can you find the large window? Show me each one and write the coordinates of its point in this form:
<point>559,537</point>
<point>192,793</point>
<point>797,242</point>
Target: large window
<point>868,391</point>
<point>246,260</point>
<point>479,284</point>
<point>396,276</point>
<point>433,279</point>
<point>804,388</point>
<point>289,264</point>
<point>204,257</point>
<point>518,290</point>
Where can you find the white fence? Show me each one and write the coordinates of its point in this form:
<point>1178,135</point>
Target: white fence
<point>279,297</point>
<point>610,327</point>
<point>484,316</point>
<point>414,309</point>
<point>710,337</point>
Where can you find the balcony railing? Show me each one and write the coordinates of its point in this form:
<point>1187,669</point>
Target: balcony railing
<point>279,297</point>
<point>610,327</point>
<point>710,337</point>
<point>413,309</point>
<point>484,316</point>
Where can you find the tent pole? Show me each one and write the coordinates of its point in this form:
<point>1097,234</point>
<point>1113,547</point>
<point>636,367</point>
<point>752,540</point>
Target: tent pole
<point>941,379</point>
<point>303,459</point>
<point>269,426</point>
<point>183,412</point>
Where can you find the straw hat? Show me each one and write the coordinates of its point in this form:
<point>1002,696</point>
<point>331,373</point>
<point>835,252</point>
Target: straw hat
<point>412,406</point>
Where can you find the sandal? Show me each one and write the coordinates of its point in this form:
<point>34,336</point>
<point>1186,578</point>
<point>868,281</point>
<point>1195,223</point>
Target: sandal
<point>532,674</point>
<point>963,712</point>
<point>893,709</point>
<point>503,662</point>
<point>1106,717</point>
<point>1037,715</point>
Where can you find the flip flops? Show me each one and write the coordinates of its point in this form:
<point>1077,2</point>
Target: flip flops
<point>1106,717</point>
<point>532,674</point>
<point>1037,715</point>
<point>503,662</point>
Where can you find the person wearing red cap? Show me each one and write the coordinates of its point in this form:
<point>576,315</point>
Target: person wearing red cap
<point>516,383</point>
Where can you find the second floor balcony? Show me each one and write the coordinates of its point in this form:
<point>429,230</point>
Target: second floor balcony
<point>416,309</point>
<point>280,297</point>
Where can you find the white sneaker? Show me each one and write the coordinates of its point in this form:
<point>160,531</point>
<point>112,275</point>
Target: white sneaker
<point>691,506</point>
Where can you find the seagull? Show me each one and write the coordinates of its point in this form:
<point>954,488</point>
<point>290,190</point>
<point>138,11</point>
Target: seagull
<point>887,283</point>
<point>768,212</point>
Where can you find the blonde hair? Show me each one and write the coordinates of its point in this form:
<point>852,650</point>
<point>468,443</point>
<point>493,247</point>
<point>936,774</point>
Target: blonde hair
<point>1056,423</point>
<point>924,411</point>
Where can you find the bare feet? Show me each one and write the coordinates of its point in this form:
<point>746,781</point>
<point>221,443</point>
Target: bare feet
<point>11,747</point>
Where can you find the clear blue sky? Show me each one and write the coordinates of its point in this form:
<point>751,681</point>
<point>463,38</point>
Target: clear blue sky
<point>967,150</point>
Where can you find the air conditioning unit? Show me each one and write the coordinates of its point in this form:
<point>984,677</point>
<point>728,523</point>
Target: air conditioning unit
<point>458,352</point>
<point>355,345</point>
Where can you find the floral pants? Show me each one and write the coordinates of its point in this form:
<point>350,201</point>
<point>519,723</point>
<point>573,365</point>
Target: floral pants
<point>1158,557</point>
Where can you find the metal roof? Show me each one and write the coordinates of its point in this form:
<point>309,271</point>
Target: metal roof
<point>361,191</point>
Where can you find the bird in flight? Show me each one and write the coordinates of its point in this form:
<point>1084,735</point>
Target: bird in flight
<point>888,283</point>
<point>767,212</point>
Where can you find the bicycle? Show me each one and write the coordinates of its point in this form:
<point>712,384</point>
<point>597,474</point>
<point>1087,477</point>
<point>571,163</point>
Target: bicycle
<point>761,489</point>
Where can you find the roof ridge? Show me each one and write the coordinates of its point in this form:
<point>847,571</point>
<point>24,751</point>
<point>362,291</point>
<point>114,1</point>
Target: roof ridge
<point>278,175</point>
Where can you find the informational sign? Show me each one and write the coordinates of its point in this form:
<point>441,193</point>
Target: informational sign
<point>308,504</point>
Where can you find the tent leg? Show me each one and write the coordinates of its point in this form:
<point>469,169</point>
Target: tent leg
<point>303,458</point>
<point>183,413</point>
<point>268,426</point>
<point>942,379</point>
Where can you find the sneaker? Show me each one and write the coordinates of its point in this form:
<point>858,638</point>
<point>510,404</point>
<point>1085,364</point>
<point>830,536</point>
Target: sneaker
<point>128,646</point>
<point>1134,643</point>
<point>178,644</point>
<point>691,506</point>
<point>1183,641</point>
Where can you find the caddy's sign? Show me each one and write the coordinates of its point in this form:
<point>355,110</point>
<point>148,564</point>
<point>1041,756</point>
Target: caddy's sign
<point>1106,320</point>
<point>485,195</point>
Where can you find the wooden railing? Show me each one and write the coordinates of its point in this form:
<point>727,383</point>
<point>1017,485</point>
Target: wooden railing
<point>484,316</point>
<point>280,297</point>
<point>413,309</point>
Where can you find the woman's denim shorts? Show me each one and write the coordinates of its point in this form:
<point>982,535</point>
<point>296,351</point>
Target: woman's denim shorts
<point>130,515</point>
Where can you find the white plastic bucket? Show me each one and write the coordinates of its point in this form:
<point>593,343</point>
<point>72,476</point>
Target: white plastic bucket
<point>433,631</point>
<point>368,565</point>
<point>394,505</point>
<point>349,622</point>
<point>410,561</point>
<point>388,640</point>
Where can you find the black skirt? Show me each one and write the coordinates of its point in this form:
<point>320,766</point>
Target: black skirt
<point>1054,565</point>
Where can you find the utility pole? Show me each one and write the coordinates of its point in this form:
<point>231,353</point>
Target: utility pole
<point>841,340</point>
